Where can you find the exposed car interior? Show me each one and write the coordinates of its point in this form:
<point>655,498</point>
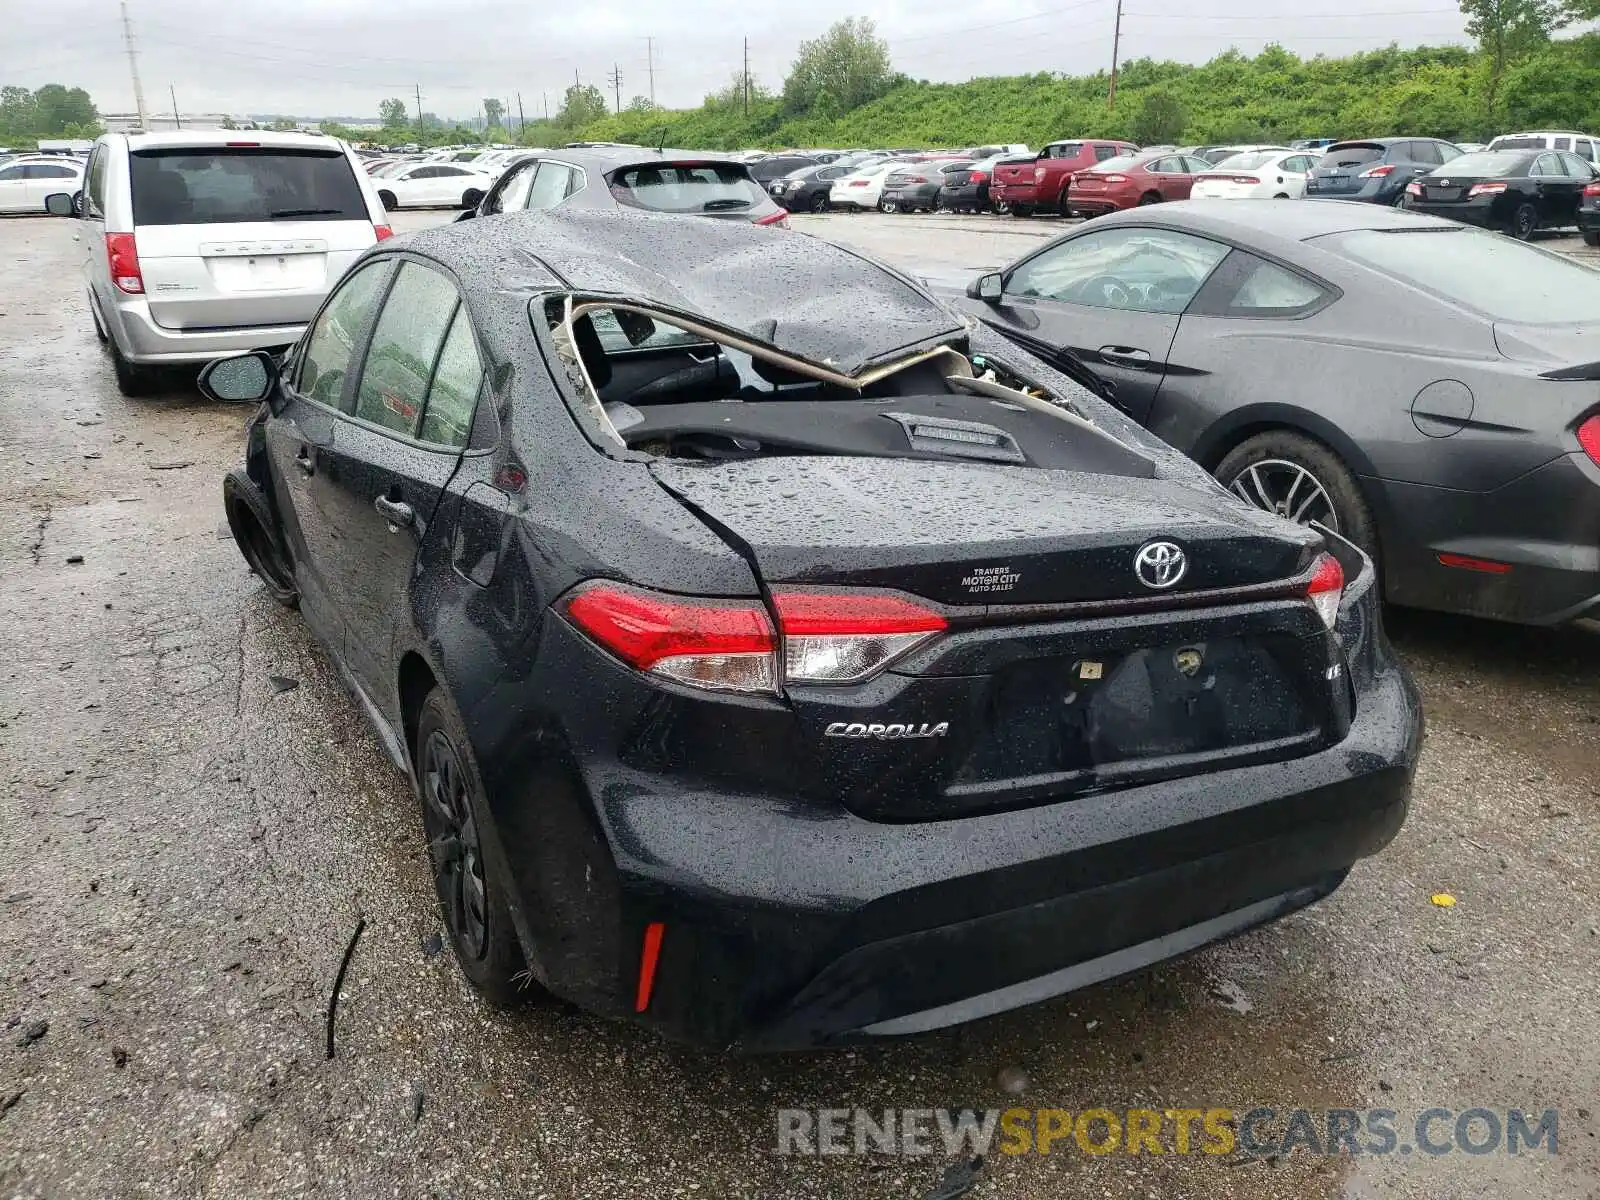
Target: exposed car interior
<point>697,393</point>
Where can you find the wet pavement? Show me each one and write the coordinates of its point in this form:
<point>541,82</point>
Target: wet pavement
<point>194,817</point>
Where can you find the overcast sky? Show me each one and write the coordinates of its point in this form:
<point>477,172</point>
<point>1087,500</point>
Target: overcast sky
<point>326,57</point>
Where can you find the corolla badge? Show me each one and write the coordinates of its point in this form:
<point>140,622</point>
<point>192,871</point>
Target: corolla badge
<point>858,729</point>
<point>1160,564</point>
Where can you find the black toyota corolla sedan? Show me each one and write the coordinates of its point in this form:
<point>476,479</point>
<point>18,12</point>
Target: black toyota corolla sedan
<point>1429,390</point>
<point>781,659</point>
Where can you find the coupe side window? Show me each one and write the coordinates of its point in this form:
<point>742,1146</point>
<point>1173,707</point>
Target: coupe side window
<point>549,186</point>
<point>1270,291</point>
<point>405,346</point>
<point>332,340</point>
<point>1145,270</point>
<point>453,394</point>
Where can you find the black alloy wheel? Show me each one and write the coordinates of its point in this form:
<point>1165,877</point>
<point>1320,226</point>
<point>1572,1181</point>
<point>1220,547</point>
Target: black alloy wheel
<point>1523,222</point>
<point>470,897</point>
<point>819,202</point>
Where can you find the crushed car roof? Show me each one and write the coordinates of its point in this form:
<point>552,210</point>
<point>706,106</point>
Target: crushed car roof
<point>799,294</point>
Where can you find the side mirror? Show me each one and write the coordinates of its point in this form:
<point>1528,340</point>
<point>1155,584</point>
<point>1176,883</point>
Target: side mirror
<point>59,204</point>
<point>987,288</point>
<point>242,379</point>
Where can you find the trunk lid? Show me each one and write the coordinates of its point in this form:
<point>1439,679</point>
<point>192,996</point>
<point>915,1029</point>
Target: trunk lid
<point>1014,173</point>
<point>966,534</point>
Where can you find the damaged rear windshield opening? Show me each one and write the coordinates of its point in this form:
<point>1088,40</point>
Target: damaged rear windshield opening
<point>686,187</point>
<point>689,391</point>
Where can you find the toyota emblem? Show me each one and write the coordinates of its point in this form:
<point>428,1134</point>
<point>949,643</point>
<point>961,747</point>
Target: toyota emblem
<point>1160,564</point>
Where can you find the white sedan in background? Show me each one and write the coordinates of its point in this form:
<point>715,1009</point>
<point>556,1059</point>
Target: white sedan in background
<point>430,185</point>
<point>863,187</point>
<point>26,181</point>
<point>1257,174</point>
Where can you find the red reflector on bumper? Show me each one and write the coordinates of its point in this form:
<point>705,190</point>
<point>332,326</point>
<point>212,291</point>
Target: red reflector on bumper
<point>647,964</point>
<point>1466,563</point>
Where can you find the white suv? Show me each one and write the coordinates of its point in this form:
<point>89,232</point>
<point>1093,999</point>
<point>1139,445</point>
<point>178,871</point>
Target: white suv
<point>1583,145</point>
<point>198,244</point>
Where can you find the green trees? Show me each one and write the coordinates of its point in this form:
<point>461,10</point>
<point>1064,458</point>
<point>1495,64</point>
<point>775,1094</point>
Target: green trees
<point>493,112</point>
<point>1507,31</point>
<point>582,105</point>
<point>392,113</point>
<point>843,69</point>
<point>51,112</point>
<point>1160,119</point>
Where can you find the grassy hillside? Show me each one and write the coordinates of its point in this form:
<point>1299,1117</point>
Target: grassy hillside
<point>1431,91</point>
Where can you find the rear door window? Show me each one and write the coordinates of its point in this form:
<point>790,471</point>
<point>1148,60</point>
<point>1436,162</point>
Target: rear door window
<point>405,346</point>
<point>1101,153</point>
<point>1563,143</point>
<point>234,184</point>
<point>692,187</point>
<point>453,393</point>
<point>549,186</point>
<point>1425,152</point>
<point>1577,167</point>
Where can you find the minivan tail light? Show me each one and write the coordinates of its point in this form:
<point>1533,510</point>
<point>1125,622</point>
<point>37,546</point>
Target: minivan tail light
<point>719,645</point>
<point>123,257</point>
<point>1377,172</point>
<point>1326,589</point>
<point>383,231</point>
<point>846,637</point>
<point>1485,189</point>
<point>1589,438</point>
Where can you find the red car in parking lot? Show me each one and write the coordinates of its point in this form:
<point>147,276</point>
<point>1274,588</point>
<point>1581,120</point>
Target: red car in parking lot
<point>1132,180</point>
<point>1024,186</point>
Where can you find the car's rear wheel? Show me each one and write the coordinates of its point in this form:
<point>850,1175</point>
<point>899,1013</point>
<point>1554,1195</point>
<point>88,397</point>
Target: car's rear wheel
<point>1523,222</point>
<point>132,379</point>
<point>819,202</point>
<point>255,530</point>
<point>888,206</point>
<point>1149,198</point>
<point>1300,479</point>
<point>471,898</point>
<point>1591,237</point>
<point>99,329</point>
<point>471,198</point>
<point>386,198</point>
<point>1003,207</point>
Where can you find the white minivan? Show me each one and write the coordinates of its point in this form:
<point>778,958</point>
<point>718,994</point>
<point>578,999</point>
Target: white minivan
<point>209,242</point>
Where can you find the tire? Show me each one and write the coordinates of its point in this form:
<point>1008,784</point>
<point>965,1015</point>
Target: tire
<point>1524,221</point>
<point>471,896</point>
<point>1591,237</point>
<point>1022,210</point>
<point>1149,198</point>
<point>819,202</point>
<point>132,379</point>
<point>1281,196</point>
<point>1003,208</point>
<point>94,318</point>
<point>471,198</point>
<point>1269,452</point>
<point>888,206</point>
<point>386,198</point>
<point>255,532</point>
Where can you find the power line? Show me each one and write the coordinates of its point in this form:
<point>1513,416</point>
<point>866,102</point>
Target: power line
<point>1411,12</point>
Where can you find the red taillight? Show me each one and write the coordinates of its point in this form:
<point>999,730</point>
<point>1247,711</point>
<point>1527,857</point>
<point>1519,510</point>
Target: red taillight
<point>845,637</point>
<point>1589,438</point>
<point>1485,189</point>
<point>123,257</point>
<point>1413,189</point>
<point>1327,586</point>
<point>1465,562</point>
<point>858,183</point>
<point>383,231</point>
<point>780,219</point>
<point>724,645</point>
<point>649,955</point>
<point>915,179</point>
<point>978,177</point>
<point>1377,172</point>
<point>1591,189</point>
<point>1111,178</point>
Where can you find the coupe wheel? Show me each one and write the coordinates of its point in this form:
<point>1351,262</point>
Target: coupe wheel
<point>1301,480</point>
<point>888,206</point>
<point>1524,221</point>
<point>386,198</point>
<point>470,895</point>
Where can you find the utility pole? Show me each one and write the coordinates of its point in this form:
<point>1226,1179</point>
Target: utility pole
<point>1116,39</point>
<point>650,58</point>
<point>616,84</point>
<point>746,88</point>
<point>522,119</point>
<point>133,63</point>
<point>419,113</point>
<point>176,119</point>
<point>546,96</point>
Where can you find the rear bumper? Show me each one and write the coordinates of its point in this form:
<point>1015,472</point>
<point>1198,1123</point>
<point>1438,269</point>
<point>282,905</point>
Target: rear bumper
<point>1093,206</point>
<point>128,320</point>
<point>1588,220</point>
<point>790,922</point>
<point>1018,195</point>
<point>969,196</point>
<point>1374,191</point>
<point>920,196</point>
<point>1480,213</point>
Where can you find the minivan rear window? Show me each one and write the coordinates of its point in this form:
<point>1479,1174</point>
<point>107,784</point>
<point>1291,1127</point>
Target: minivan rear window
<point>221,185</point>
<point>686,187</point>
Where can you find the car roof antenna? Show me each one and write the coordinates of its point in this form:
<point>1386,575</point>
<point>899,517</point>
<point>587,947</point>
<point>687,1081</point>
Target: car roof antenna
<point>661,141</point>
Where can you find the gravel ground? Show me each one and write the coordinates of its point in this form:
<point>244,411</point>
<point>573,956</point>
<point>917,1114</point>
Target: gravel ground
<point>193,818</point>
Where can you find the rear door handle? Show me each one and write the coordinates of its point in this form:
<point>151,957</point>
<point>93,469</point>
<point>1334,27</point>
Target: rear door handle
<point>1126,356</point>
<point>304,462</point>
<point>396,512</point>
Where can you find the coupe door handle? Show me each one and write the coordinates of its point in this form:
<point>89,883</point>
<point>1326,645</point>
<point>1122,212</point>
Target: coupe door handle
<point>396,512</point>
<point>1126,356</point>
<point>304,463</point>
